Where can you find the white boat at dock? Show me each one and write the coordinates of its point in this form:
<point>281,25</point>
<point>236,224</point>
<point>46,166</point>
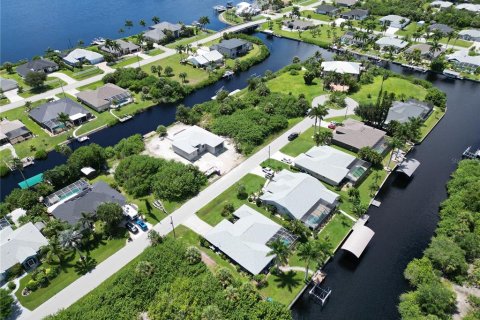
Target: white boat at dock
<point>83,139</point>
<point>452,74</point>
<point>228,74</point>
<point>98,41</point>
<point>220,8</point>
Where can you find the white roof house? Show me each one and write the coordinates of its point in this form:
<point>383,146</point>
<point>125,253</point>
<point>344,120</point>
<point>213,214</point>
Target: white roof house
<point>441,4</point>
<point>391,42</point>
<point>464,60</point>
<point>17,246</point>
<point>469,7</point>
<point>326,163</point>
<point>205,56</point>
<point>300,196</point>
<point>78,55</point>
<point>194,141</point>
<point>470,34</point>
<point>245,241</point>
<point>395,21</point>
<point>341,67</point>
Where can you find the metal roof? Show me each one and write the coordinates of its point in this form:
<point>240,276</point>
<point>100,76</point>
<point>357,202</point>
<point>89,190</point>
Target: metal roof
<point>395,20</point>
<point>389,41</point>
<point>189,139</point>
<point>232,43</point>
<point>358,240</point>
<point>341,67</point>
<point>408,166</point>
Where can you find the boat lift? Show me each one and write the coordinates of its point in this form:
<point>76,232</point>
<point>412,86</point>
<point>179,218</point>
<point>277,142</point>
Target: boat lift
<point>318,292</point>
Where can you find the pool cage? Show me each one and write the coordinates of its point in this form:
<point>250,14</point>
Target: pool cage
<point>72,189</point>
<point>285,236</point>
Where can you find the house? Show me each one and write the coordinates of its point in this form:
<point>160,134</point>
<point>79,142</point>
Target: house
<point>298,24</point>
<point>46,115</point>
<point>300,196</point>
<point>246,241</point>
<point>155,35</point>
<point>331,165</point>
<point>205,57</point>
<point>425,50</point>
<point>395,21</point>
<point>245,8</point>
<point>443,28</point>
<point>327,9</point>
<point>79,56</point>
<point>20,246</point>
<point>354,38</point>
<point>469,7</point>
<point>192,142</point>
<point>125,47</point>
<point>39,65</point>
<point>69,203</point>
<point>388,42</point>
<point>8,84</point>
<point>469,35</point>
<point>355,14</point>
<point>105,97</point>
<point>232,48</point>
<point>16,214</point>
<point>163,28</point>
<point>402,111</point>
<point>462,60</point>
<point>441,4</point>
<point>13,132</point>
<point>354,135</point>
<point>342,67</point>
<point>346,3</point>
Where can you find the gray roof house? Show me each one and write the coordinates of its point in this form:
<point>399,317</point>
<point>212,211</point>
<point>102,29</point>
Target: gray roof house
<point>403,111</point>
<point>386,42</point>
<point>232,48</point>
<point>20,246</point>
<point>424,49</point>
<point>70,208</point>
<point>355,14</point>
<point>354,135</point>
<point>159,31</point>
<point>298,24</point>
<point>46,114</point>
<point>331,165</point>
<point>13,131</point>
<point>469,35</point>
<point>350,38</point>
<point>40,65</point>
<point>327,9</point>
<point>346,3</point>
<point>126,47</point>
<point>155,35</point>
<point>441,4</point>
<point>194,141</point>
<point>108,95</point>
<point>472,7</point>
<point>8,84</point>
<point>300,196</point>
<point>443,28</point>
<point>246,240</point>
<point>395,21</point>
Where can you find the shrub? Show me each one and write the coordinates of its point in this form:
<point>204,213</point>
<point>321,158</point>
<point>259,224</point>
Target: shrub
<point>15,271</point>
<point>32,285</point>
<point>41,154</point>
<point>4,171</point>
<point>11,285</point>
<point>192,255</point>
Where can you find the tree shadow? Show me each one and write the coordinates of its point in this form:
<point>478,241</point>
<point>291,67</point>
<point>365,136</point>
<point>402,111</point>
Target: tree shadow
<point>149,208</point>
<point>287,280</point>
<point>84,266</point>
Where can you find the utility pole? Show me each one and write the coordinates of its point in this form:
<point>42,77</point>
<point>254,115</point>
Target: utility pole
<point>269,152</point>
<point>173,227</point>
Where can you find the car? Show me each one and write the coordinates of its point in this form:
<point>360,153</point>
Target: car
<point>287,161</point>
<point>292,136</point>
<point>131,227</point>
<point>267,170</point>
<point>141,224</point>
<point>332,126</point>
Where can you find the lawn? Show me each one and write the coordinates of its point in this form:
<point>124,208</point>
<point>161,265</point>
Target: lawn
<point>336,230</point>
<point>431,121</point>
<point>409,30</point>
<point>5,154</point>
<point>401,87</point>
<point>91,86</point>
<point>154,52</point>
<point>324,39</point>
<point>84,73</point>
<point>70,272</point>
<point>342,118</point>
<point>458,42</point>
<point>212,212</point>
<point>316,16</point>
<point>275,165</point>
<point>294,84</point>
<point>302,143</point>
<point>50,83</point>
<point>284,287</point>
<point>201,35</point>
<point>127,62</point>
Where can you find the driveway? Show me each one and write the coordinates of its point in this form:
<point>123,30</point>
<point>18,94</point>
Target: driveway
<point>198,225</point>
<point>12,96</point>
<point>63,77</point>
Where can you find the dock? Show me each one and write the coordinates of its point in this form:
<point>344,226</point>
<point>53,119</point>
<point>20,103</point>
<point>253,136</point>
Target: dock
<point>219,8</point>
<point>126,118</point>
<point>470,154</point>
<point>318,292</point>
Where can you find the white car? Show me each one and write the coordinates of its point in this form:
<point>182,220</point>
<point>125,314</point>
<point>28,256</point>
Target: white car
<point>267,170</point>
<point>287,161</point>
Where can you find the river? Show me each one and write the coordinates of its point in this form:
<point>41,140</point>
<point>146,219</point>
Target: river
<point>367,288</point>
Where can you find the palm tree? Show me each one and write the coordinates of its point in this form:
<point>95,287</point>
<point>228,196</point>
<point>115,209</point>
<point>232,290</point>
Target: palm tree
<point>63,118</point>
<point>322,137</point>
<point>28,106</point>
<point>155,19</point>
<point>434,47</point>
<point>121,31</point>
<point>183,76</point>
<point>17,164</point>
<point>87,219</point>
<point>307,252</point>
<point>281,252</point>
<point>318,113</point>
<point>53,250</point>
<point>394,143</point>
<point>142,23</point>
<point>140,39</point>
<point>128,24</point>
<point>70,239</point>
<point>204,20</point>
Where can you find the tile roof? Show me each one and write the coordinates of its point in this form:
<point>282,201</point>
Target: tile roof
<point>357,134</point>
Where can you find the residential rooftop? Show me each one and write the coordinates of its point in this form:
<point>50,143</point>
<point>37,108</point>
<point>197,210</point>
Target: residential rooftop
<point>354,135</point>
<point>102,95</point>
<point>49,111</point>
<point>38,65</point>
<point>190,139</point>
<point>395,20</point>
<point>341,67</point>
<point>232,43</point>
<point>390,41</point>
<point>403,111</point>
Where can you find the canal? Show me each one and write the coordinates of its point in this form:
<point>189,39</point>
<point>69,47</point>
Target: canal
<point>367,288</point>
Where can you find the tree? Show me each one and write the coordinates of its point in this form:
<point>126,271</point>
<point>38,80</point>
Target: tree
<point>92,155</point>
<point>281,252</point>
<point>111,213</point>
<point>204,20</point>
<point>447,256</point>
<point>323,137</point>
<point>437,98</point>
<point>394,143</point>
<point>53,251</point>
<point>6,304</point>
<point>154,237</point>
<point>35,79</point>
<point>420,271</point>
<point>183,76</point>
<point>308,77</point>
<point>129,146</point>
<point>63,118</point>
<point>318,113</point>
<point>87,220</point>
<point>308,252</point>
<point>168,71</point>
<point>435,298</point>
<point>212,312</point>
<point>225,277</point>
<point>17,164</point>
<point>8,66</point>
<point>142,23</point>
<point>70,239</point>
<point>295,12</point>
<point>370,155</point>
<point>175,181</point>
<point>155,19</point>
<point>359,209</point>
<point>162,131</point>
<point>28,106</point>
<point>145,269</point>
<point>193,255</point>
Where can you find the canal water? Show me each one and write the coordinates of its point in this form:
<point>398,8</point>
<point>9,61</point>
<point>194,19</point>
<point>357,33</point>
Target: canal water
<point>29,27</point>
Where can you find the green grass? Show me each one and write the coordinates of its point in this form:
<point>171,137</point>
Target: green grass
<point>336,230</point>
<point>284,287</point>
<point>458,43</point>
<point>231,17</point>
<point>5,154</point>
<point>431,121</point>
<point>316,16</point>
<point>401,87</point>
<point>201,35</point>
<point>342,118</point>
<point>212,212</point>
<point>101,251</point>
<point>409,30</point>
<point>275,165</point>
<point>50,83</point>
<point>294,84</point>
<point>91,86</point>
<point>127,62</point>
<point>301,144</point>
<point>84,73</point>
<point>155,52</point>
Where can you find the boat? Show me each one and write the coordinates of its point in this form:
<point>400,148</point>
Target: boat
<point>452,74</point>
<point>83,139</point>
<point>229,5</point>
<point>220,8</point>
<point>469,153</point>
<point>98,41</point>
<point>28,161</point>
<point>228,74</point>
